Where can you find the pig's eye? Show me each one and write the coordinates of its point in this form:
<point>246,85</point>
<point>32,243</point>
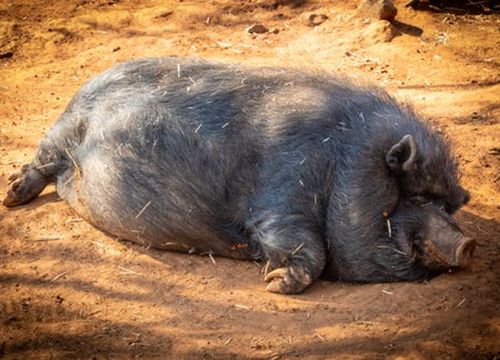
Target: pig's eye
<point>420,200</point>
<point>417,236</point>
<point>442,205</point>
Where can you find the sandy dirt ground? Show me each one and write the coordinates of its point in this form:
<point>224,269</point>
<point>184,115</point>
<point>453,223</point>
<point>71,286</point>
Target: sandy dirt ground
<point>69,291</point>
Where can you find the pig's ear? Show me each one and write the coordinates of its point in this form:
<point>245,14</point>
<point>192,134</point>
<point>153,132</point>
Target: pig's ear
<point>402,155</point>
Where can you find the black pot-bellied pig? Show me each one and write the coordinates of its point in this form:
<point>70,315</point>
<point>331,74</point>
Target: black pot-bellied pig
<point>314,174</point>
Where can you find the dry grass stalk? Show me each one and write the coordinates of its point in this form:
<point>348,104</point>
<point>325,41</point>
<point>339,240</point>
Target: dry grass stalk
<point>44,166</point>
<point>319,336</point>
<point>128,270</point>
<point>59,276</point>
<point>212,258</point>
<point>399,251</point>
<point>73,161</point>
<point>143,209</point>
<point>297,249</point>
<point>239,306</point>
<point>267,267</point>
<point>73,220</point>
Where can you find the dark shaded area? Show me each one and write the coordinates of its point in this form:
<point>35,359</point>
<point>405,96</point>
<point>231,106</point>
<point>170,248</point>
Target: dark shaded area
<point>407,29</point>
<point>6,55</point>
<point>292,3</point>
<point>484,116</point>
<point>473,84</point>
<point>242,8</point>
<point>83,286</point>
<point>92,342</point>
<point>94,331</point>
<point>459,7</point>
<point>94,334</point>
<point>475,57</point>
<point>242,13</point>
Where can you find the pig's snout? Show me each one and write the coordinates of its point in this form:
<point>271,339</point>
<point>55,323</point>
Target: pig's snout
<point>449,250</point>
<point>464,251</point>
<point>446,245</point>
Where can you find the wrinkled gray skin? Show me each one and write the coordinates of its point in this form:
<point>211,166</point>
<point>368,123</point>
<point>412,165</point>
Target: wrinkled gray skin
<point>306,171</point>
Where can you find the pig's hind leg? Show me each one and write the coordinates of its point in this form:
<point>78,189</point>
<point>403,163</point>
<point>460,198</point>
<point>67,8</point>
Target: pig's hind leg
<point>50,160</point>
<point>24,185</point>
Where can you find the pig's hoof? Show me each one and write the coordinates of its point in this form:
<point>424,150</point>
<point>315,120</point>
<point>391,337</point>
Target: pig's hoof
<point>18,173</point>
<point>24,185</point>
<point>288,280</point>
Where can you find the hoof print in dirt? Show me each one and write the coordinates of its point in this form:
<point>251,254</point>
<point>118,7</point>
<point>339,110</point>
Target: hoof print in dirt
<point>249,163</point>
<point>316,19</point>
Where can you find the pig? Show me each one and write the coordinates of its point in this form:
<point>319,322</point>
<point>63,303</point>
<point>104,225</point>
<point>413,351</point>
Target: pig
<point>312,173</point>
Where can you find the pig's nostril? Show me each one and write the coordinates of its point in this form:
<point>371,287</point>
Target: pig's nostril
<point>464,252</point>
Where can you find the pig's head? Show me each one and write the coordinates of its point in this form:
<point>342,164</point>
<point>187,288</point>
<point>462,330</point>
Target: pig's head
<point>427,171</point>
<point>428,241</point>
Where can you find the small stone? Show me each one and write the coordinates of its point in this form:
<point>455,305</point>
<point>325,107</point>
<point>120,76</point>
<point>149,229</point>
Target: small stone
<point>257,29</point>
<point>377,9</point>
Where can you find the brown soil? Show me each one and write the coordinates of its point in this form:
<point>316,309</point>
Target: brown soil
<point>69,291</point>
